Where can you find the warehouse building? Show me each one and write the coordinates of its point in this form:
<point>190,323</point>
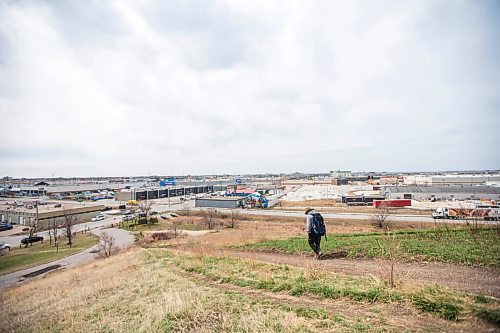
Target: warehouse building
<point>450,180</point>
<point>423,193</point>
<point>26,215</point>
<point>162,192</point>
<point>224,202</point>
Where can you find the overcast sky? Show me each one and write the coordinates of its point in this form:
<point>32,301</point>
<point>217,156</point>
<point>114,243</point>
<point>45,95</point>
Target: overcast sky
<point>102,88</point>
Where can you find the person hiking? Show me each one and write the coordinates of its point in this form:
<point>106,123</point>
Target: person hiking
<point>315,228</point>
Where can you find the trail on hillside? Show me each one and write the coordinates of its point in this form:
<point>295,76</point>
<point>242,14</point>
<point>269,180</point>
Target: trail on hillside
<point>398,317</point>
<point>478,280</point>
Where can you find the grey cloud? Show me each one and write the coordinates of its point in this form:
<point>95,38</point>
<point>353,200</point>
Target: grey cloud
<point>102,87</point>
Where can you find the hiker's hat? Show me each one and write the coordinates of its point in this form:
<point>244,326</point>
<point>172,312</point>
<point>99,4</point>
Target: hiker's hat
<point>308,210</point>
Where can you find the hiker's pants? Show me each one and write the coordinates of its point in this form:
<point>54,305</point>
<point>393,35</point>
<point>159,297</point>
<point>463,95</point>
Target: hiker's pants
<point>314,241</point>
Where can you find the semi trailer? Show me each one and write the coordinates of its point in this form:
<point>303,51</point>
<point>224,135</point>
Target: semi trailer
<point>483,213</point>
<point>391,203</point>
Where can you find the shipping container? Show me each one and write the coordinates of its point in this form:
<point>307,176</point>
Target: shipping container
<point>391,203</point>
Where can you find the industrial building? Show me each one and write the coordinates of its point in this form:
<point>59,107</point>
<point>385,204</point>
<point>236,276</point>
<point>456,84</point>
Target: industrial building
<point>449,180</point>
<point>340,174</point>
<point>161,192</point>
<point>224,202</point>
<point>27,214</point>
<point>423,193</point>
<point>138,189</point>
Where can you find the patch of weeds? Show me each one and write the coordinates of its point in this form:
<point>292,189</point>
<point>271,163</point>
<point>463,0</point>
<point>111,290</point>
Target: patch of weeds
<point>481,299</point>
<point>311,313</point>
<point>440,305</point>
<point>361,327</point>
<point>491,316</point>
<point>338,318</point>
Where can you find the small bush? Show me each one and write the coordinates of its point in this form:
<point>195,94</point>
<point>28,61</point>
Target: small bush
<point>162,235</point>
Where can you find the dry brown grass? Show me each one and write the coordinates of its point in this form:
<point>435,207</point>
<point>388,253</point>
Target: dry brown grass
<point>255,228</point>
<point>127,293</point>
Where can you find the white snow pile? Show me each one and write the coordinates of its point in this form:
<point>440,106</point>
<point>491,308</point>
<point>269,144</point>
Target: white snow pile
<point>315,192</point>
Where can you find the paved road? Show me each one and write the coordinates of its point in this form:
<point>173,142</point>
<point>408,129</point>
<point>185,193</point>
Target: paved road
<point>123,239</point>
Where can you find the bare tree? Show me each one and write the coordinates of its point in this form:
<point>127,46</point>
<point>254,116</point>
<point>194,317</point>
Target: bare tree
<point>210,217</point>
<point>234,217</point>
<point>34,227</point>
<point>54,231</point>
<point>380,216</point>
<point>145,206</point>
<point>107,245</point>
<point>69,222</point>
<point>175,227</point>
<point>50,233</point>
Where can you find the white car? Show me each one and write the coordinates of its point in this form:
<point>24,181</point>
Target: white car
<point>98,218</point>
<point>4,246</point>
<point>129,217</point>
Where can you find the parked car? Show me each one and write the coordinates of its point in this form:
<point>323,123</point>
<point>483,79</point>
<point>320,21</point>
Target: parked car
<point>107,208</point>
<point>5,226</point>
<point>31,239</point>
<point>99,217</point>
<point>4,246</point>
<point>128,217</point>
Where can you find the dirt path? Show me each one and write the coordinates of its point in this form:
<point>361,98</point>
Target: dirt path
<point>478,280</point>
<point>393,317</point>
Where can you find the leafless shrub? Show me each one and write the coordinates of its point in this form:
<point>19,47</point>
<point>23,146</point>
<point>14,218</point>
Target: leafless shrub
<point>210,218</point>
<point>165,235</point>
<point>380,216</point>
<point>389,250</point>
<point>473,225</point>
<point>69,222</point>
<point>234,217</point>
<point>107,246</point>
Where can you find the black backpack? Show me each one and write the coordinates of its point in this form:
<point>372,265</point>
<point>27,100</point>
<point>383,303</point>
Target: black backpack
<point>318,225</point>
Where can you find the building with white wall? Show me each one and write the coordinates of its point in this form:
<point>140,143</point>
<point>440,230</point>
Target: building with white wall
<point>449,180</point>
<point>424,193</point>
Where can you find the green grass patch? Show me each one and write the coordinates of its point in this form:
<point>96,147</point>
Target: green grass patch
<point>21,258</point>
<point>450,305</point>
<point>454,246</point>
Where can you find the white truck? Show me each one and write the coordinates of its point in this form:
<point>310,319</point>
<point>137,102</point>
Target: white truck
<point>488,213</point>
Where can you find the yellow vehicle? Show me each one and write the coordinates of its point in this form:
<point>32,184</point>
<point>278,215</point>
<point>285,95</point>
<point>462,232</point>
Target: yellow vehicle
<point>132,202</point>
